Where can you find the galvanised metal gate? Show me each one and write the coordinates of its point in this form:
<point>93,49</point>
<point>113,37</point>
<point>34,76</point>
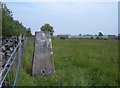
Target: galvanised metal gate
<point>10,73</point>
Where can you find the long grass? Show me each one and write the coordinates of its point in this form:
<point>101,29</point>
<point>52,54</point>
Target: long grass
<point>77,63</point>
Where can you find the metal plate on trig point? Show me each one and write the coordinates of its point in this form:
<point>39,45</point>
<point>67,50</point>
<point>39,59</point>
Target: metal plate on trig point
<point>43,63</point>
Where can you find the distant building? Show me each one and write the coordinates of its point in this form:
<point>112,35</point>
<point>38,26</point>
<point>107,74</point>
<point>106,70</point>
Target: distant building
<point>64,36</point>
<point>111,36</point>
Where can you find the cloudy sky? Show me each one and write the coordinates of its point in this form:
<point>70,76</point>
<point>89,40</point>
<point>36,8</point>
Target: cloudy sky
<point>68,17</point>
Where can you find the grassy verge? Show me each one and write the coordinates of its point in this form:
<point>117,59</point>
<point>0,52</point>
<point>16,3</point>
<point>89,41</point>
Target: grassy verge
<point>77,63</point>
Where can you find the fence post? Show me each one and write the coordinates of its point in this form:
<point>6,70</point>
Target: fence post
<point>1,61</point>
<point>0,66</point>
<point>24,42</point>
<point>0,40</point>
<point>19,58</point>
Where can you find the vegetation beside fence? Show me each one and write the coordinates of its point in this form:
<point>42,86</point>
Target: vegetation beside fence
<point>77,63</point>
<point>11,27</point>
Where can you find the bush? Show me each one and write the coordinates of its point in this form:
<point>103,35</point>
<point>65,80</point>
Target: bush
<point>91,37</point>
<point>62,37</point>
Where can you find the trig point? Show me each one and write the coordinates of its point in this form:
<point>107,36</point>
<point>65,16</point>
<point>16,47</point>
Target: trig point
<point>43,63</point>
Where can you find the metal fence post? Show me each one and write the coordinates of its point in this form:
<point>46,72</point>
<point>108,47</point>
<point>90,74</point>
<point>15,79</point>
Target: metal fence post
<point>0,40</point>
<point>24,44</point>
<point>19,59</point>
<point>0,66</point>
<point>0,76</point>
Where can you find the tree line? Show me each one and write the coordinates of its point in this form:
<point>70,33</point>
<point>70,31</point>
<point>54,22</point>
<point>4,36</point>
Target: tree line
<point>11,27</point>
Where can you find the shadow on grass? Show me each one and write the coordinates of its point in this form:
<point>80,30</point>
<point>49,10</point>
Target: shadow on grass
<point>28,56</point>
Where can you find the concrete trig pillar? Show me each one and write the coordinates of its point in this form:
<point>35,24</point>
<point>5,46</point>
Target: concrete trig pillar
<point>43,63</point>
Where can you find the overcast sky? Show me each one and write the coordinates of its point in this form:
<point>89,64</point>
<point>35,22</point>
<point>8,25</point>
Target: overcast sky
<point>68,17</point>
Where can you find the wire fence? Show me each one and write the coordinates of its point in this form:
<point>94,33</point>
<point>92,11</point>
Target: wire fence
<point>10,73</point>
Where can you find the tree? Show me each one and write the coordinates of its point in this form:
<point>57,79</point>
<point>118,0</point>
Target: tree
<point>47,27</point>
<point>29,32</point>
<point>91,37</point>
<point>11,27</point>
<point>100,34</point>
<point>118,36</point>
<point>97,37</point>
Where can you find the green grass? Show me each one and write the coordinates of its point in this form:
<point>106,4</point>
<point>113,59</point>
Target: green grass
<point>94,37</point>
<point>77,63</point>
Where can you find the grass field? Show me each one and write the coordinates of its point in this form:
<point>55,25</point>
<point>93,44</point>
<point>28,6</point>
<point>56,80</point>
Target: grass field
<point>77,63</point>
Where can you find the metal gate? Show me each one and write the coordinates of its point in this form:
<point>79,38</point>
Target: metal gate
<point>10,73</point>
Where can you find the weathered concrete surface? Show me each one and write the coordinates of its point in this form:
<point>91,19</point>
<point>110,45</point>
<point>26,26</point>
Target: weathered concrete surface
<point>43,63</point>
